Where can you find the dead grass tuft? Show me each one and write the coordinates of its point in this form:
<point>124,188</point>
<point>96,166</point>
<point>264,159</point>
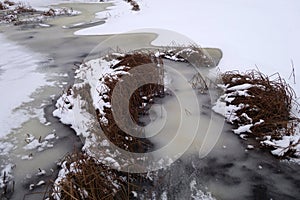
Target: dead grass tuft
<point>5,4</point>
<point>136,102</point>
<point>10,3</point>
<point>270,99</point>
<point>2,6</point>
<point>49,13</point>
<point>22,8</point>
<point>91,180</point>
<point>62,11</point>
<point>134,4</point>
<point>192,54</point>
<point>22,13</point>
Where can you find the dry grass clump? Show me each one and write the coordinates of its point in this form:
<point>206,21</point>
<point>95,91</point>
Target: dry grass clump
<point>135,102</point>
<point>10,3</point>
<point>2,6</point>
<point>268,99</point>
<point>134,4</point>
<point>5,4</point>
<point>192,54</point>
<point>62,11</point>
<point>50,12</point>
<point>22,8</point>
<point>7,185</point>
<point>21,13</point>
<point>89,179</point>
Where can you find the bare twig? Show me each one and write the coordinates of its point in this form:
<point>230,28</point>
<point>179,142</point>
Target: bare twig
<point>293,72</point>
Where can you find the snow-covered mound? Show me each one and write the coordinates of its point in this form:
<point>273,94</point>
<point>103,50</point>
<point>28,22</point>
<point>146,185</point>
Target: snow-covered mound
<point>261,107</point>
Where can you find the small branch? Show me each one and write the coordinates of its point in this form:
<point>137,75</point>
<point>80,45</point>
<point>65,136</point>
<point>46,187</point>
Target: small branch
<point>293,72</point>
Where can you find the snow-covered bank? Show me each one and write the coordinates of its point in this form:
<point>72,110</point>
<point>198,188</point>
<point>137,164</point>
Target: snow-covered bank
<point>72,109</point>
<point>250,33</point>
<point>76,107</point>
<point>54,63</point>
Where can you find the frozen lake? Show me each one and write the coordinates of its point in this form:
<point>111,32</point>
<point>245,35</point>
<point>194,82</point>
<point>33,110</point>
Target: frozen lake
<point>43,59</point>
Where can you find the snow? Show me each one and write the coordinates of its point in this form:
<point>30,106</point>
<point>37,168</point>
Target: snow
<point>18,67</point>
<point>31,186</point>
<point>61,175</point>
<point>16,83</point>
<point>112,162</point>
<point>243,129</point>
<point>40,4</point>
<point>198,194</point>
<point>250,33</point>
<point>41,183</point>
<point>241,87</point>
<point>164,196</point>
<point>229,111</point>
<point>268,142</point>
<point>35,144</point>
<point>5,148</point>
<point>70,113</point>
<point>71,108</point>
<point>29,138</point>
<point>94,73</point>
<point>7,171</point>
<point>44,25</point>
<point>27,157</point>
<point>280,146</point>
<point>240,29</point>
<point>260,122</point>
<point>134,194</point>
<point>250,120</point>
<point>51,136</point>
<point>104,143</point>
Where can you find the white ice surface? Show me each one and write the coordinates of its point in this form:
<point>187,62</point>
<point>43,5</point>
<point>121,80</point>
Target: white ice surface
<point>18,80</point>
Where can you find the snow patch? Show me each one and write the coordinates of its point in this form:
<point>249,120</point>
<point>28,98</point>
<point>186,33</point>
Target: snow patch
<point>16,83</point>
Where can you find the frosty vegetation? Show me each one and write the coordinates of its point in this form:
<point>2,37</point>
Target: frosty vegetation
<point>261,107</point>
<point>257,106</point>
<point>87,104</point>
<point>22,13</point>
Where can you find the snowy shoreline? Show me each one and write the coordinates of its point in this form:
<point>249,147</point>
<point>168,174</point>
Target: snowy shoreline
<point>31,81</point>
